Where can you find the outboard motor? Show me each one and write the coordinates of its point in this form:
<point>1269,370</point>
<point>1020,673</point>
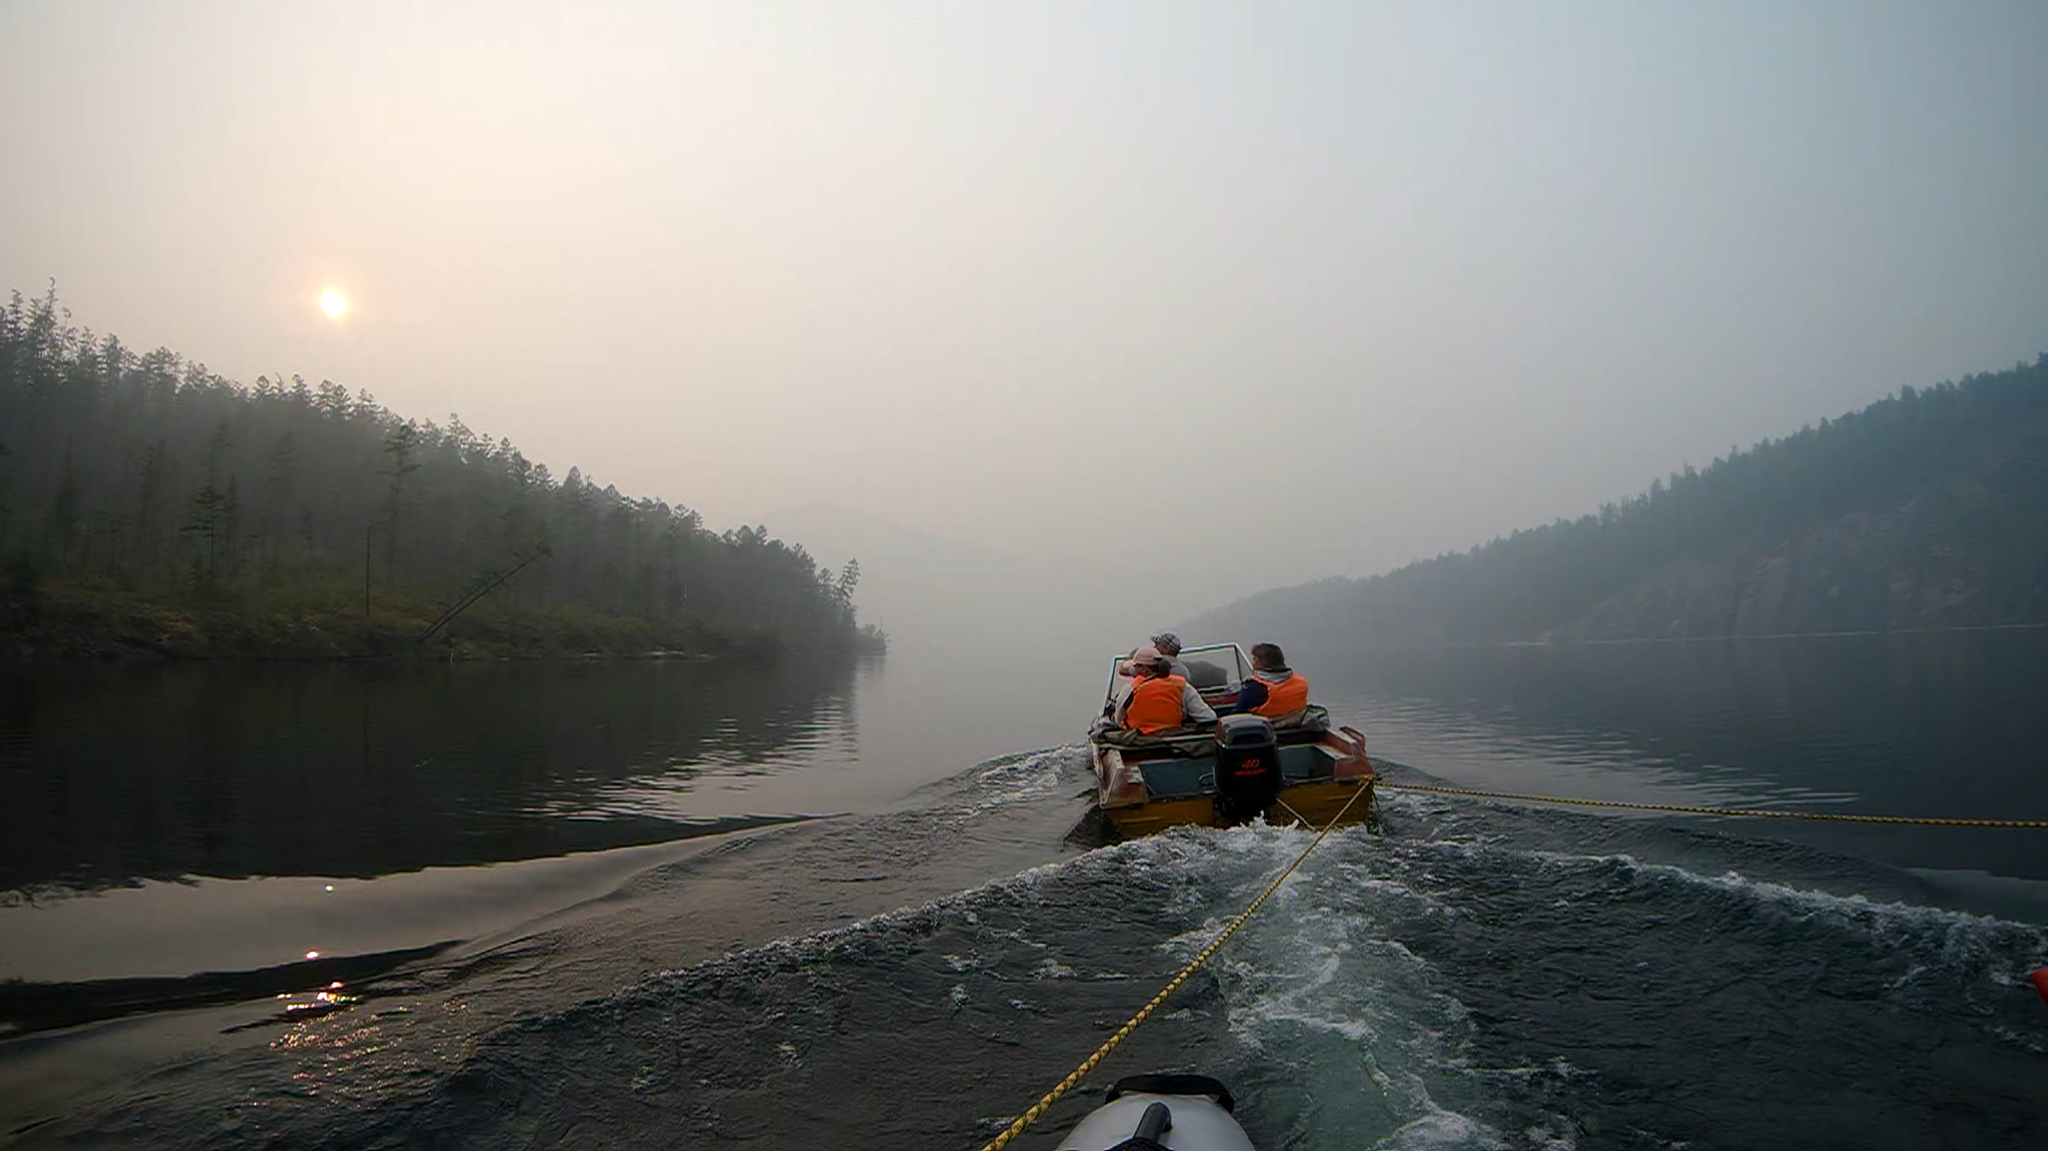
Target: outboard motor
<point>1247,768</point>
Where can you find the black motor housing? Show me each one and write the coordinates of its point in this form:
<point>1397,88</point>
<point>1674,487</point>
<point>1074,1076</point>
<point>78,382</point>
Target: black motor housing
<point>1247,768</point>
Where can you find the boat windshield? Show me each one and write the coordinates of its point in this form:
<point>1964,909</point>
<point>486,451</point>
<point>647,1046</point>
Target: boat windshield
<point>1214,668</point>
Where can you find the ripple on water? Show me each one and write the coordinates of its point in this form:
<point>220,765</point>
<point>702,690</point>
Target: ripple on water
<point>1477,977</point>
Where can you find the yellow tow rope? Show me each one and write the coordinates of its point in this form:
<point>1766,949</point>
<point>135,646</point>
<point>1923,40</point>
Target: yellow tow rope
<point>1752,812</point>
<point>1122,1033</point>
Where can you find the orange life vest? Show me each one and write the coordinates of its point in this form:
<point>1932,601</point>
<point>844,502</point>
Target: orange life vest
<point>1155,704</point>
<point>1284,696</point>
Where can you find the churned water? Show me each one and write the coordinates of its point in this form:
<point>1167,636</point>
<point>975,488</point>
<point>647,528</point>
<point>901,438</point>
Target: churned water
<point>915,971</point>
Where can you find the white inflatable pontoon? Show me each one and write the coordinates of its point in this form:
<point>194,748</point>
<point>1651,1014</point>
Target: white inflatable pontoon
<point>1161,1113</point>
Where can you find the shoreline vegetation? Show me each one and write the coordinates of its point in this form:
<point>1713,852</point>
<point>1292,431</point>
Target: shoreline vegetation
<point>72,621</point>
<point>149,507</point>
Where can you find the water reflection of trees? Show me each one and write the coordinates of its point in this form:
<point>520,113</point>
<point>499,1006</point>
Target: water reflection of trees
<point>1864,700</point>
<point>1931,724</point>
<point>113,775</point>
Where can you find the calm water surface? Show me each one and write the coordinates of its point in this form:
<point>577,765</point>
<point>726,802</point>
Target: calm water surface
<point>540,904</point>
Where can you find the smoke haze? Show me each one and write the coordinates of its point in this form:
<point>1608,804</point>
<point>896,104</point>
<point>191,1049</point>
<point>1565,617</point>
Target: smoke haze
<point>1136,306</point>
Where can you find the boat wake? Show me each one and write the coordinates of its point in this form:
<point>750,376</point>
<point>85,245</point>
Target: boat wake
<point>1474,977</point>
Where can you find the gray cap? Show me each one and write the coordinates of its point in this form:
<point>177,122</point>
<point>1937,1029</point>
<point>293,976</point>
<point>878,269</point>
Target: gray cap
<point>1167,642</point>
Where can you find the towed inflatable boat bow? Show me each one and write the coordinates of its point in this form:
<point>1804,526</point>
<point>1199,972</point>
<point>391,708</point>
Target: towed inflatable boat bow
<point>1161,1113</point>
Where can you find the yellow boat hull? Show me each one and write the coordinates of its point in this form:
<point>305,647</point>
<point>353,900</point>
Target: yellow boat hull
<point>1133,809</point>
<point>1311,804</point>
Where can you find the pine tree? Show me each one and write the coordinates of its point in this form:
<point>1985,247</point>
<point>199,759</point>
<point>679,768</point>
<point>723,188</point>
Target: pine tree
<point>281,472</point>
<point>6,509</point>
<point>399,445</point>
<point>849,579</point>
<point>149,501</point>
<point>231,525</point>
<point>203,519</point>
<point>64,511</point>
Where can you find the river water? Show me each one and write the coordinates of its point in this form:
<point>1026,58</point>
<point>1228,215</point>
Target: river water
<point>678,904</point>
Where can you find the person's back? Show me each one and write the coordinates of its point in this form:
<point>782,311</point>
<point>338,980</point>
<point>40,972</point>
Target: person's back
<point>1284,696</point>
<point>1155,704</point>
<point>1274,689</point>
<point>1160,700</point>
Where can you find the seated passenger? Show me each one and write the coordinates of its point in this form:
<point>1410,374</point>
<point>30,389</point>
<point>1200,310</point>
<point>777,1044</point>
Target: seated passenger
<point>1169,646</point>
<point>1160,701</point>
<point>1274,690</point>
<point>1204,675</point>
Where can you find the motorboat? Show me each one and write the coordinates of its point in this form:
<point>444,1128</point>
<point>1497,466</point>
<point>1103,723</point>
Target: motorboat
<point>1289,769</point>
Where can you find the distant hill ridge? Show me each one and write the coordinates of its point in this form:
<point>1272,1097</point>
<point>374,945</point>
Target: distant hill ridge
<point>1925,509</point>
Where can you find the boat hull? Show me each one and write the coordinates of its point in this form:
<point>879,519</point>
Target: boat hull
<point>1311,804</point>
<point>1143,791</point>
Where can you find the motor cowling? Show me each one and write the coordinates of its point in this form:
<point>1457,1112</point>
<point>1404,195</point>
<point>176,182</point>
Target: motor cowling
<point>1247,768</point>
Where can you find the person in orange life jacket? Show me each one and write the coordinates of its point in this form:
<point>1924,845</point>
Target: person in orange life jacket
<point>1274,689</point>
<point>1168,645</point>
<point>1160,700</point>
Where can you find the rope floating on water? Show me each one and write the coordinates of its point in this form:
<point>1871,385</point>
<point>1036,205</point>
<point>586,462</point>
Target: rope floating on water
<point>1749,812</point>
<point>1122,1033</point>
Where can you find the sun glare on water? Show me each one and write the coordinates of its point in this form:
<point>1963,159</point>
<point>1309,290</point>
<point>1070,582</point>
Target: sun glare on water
<point>333,303</point>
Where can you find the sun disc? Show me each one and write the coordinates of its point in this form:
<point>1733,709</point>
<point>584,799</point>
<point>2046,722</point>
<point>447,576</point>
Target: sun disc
<point>333,303</point>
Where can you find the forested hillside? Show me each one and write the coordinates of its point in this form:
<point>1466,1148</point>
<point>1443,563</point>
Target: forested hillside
<point>1925,509</point>
<point>146,502</point>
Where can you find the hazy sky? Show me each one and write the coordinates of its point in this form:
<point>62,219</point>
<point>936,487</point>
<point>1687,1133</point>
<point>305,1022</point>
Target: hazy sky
<point>1359,282</point>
